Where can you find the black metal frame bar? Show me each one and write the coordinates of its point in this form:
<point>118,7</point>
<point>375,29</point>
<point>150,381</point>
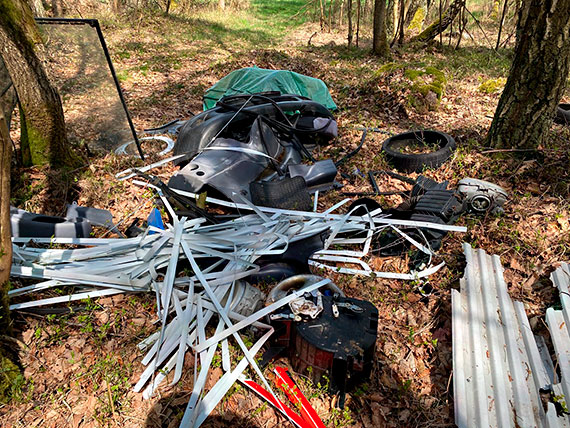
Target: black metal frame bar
<point>95,24</point>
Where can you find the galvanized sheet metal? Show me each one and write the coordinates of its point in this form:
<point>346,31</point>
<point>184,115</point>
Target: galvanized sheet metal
<point>498,369</point>
<point>559,326</point>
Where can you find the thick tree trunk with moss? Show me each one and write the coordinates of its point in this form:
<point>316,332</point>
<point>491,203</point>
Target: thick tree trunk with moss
<point>7,94</point>
<point>439,26</point>
<point>380,38</point>
<point>9,371</point>
<point>537,78</point>
<point>43,127</point>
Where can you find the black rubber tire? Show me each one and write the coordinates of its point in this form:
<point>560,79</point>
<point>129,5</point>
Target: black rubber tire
<point>562,114</point>
<point>417,162</point>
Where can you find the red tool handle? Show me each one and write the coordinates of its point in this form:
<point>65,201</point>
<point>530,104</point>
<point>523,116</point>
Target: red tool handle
<point>294,417</point>
<point>287,385</point>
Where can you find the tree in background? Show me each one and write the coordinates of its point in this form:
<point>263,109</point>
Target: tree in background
<point>538,75</point>
<point>43,137</point>
<point>441,24</point>
<point>380,38</point>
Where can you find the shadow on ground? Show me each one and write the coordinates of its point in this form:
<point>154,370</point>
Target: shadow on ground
<point>167,413</point>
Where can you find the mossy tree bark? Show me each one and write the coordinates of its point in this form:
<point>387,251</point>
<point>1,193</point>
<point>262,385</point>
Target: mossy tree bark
<point>9,371</point>
<point>537,78</point>
<point>7,94</point>
<point>380,38</point>
<point>43,127</point>
<point>440,25</point>
<point>410,13</point>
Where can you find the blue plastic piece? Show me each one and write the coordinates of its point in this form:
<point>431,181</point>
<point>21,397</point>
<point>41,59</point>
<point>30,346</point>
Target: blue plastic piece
<point>155,219</point>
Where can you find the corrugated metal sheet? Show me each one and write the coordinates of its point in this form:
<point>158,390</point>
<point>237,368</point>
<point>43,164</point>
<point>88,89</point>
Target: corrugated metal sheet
<point>559,326</point>
<point>498,369</point>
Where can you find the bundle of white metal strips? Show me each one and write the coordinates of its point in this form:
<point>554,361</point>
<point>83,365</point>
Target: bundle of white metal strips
<point>219,255</point>
<point>498,370</point>
<point>340,226</point>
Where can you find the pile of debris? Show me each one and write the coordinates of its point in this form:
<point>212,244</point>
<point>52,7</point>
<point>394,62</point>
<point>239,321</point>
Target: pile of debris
<point>224,258</point>
<point>244,156</point>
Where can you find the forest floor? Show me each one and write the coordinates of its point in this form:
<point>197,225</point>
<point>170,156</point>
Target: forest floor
<point>80,368</point>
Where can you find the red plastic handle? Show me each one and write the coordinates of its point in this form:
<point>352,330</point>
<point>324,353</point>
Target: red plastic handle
<point>287,385</point>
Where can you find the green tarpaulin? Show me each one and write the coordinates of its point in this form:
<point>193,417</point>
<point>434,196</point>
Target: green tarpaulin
<point>252,79</point>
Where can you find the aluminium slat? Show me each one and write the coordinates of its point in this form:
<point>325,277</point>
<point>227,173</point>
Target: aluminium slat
<point>478,352</point>
<point>537,364</point>
<point>561,341</point>
<point>561,279</point>
<point>495,339</point>
<point>526,405</point>
<point>459,333</point>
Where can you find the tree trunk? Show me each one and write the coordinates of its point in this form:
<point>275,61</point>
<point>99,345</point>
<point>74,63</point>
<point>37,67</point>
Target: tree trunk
<point>358,5</point>
<point>390,18</point>
<point>505,5</point>
<point>411,12</point>
<point>5,233</point>
<point>43,126</point>
<point>399,36</point>
<point>7,94</point>
<point>9,371</point>
<point>380,38</point>
<point>537,78</point>
<point>349,15</point>
<point>440,25</point>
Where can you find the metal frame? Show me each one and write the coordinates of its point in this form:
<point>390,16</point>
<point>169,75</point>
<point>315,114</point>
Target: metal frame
<point>95,24</point>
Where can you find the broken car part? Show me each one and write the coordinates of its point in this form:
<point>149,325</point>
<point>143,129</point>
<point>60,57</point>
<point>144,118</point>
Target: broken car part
<point>498,370</point>
<point>249,141</point>
<point>199,131</point>
<point>481,196</point>
<point>287,193</point>
<point>318,176</point>
<point>95,216</point>
<point>229,166</point>
<point>399,150</point>
<point>29,225</point>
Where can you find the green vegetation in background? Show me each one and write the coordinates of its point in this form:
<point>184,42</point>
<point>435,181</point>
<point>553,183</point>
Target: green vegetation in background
<point>280,14</point>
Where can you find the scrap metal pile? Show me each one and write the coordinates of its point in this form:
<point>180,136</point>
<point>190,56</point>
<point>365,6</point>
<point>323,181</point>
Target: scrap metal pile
<point>249,156</point>
<point>219,256</point>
